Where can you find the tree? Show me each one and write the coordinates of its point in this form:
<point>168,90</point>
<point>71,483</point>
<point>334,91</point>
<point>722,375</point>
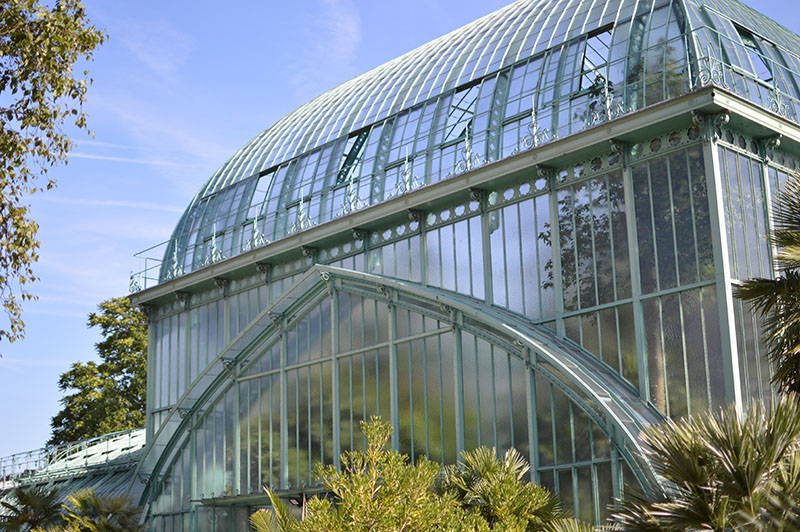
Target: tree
<point>726,471</point>
<point>379,490</point>
<point>39,46</point>
<point>778,300</point>
<point>109,396</point>
<point>30,507</point>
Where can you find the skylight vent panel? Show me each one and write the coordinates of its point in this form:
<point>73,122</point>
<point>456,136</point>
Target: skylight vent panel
<point>759,64</point>
<point>595,60</point>
<point>351,156</point>
<point>461,114</point>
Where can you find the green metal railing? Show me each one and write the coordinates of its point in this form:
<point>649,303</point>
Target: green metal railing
<point>20,466</point>
<point>116,448</point>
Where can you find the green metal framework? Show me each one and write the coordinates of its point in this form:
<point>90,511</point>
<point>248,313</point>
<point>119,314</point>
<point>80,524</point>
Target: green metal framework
<point>376,346</point>
<point>516,79</point>
<point>529,239</point>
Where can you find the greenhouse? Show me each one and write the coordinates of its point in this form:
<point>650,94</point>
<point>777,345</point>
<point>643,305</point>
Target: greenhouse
<point>522,234</point>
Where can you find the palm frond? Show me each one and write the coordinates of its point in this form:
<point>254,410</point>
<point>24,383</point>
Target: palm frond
<point>570,525</point>
<point>726,471</point>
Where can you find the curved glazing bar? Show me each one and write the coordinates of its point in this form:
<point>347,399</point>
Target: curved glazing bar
<point>558,91</point>
<point>557,76</point>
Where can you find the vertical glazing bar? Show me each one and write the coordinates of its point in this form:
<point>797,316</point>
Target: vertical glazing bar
<point>768,195</point>
<point>284,465</point>
<point>636,280</point>
<point>616,478</point>
<point>237,432</point>
<point>684,346</point>
<point>592,217</point>
<point>574,254</point>
<point>187,349</point>
<point>193,491</point>
<point>494,396</point>
<point>441,397</point>
<point>423,247</point>
<point>226,316</point>
<point>459,391</point>
<point>487,250</point>
<point>521,265</point>
<point>742,270</point>
<point>555,240</point>
<point>474,342</point>
<point>394,378</point>
<point>770,226</point>
<point>309,429</point>
<point>662,348</point>
<point>533,429</point>
<point>296,447</point>
<point>151,372</point>
<point>425,393</point>
<point>168,354</point>
<point>611,241</point>
<point>722,269</point>
<point>256,454</point>
<point>335,392</point>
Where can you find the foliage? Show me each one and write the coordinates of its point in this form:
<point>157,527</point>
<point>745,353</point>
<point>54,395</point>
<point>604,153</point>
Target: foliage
<point>379,490</point>
<point>30,507</point>
<point>778,300</point>
<point>109,396</point>
<point>86,511</point>
<point>279,519</point>
<point>495,489</point>
<point>726,471</point>
<point>39,46</point>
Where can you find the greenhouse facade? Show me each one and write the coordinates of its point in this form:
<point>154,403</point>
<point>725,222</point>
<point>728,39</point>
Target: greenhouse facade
<point>522,234</point>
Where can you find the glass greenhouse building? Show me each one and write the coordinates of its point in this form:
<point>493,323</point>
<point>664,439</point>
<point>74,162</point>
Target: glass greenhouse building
<point>523,233</point>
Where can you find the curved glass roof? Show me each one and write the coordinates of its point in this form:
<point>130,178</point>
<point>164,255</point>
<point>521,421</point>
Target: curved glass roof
<point>534,71</point>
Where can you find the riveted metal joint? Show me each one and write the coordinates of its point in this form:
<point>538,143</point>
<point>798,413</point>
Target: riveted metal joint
<point>222,284</point>
<point>416,215</point>
<point>309,252</point>
<point>183,298</point>
<point>276,318</point>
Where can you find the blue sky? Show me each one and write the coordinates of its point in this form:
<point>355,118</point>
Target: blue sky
<point>178,87</point>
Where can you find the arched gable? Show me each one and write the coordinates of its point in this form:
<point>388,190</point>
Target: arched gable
<point>449,372</point>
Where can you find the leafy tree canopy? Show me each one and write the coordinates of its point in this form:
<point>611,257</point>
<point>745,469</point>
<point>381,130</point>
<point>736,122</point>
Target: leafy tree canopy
<point>110,395</point>
<point>39,93</point>
<point>380,490</point>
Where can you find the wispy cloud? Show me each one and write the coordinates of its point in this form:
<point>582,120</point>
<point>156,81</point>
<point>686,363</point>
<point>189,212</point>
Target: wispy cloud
<point>33,362</point>
<point>62,299</point>
<point>333,37</point>
<point>192,139</point>
<point>342,23</point>
<point>159,46</point>
<point>138,205</point>
<point>80,155</point>
<point>58,313</point>
<point>100,144</point>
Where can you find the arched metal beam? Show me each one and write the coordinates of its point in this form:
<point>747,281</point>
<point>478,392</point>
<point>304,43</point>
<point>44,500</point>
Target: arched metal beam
<point>603,394</point>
